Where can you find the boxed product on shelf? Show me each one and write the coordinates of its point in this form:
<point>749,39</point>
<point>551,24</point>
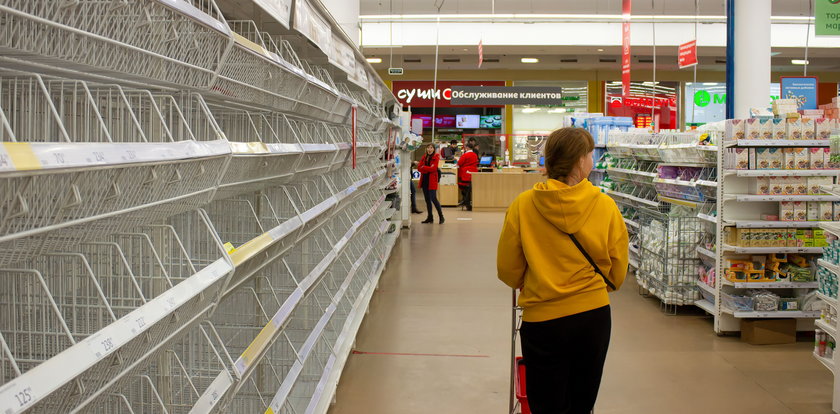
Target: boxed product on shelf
<point>836,208</point>
<point>790,158</point>
<point>793,128</point>
<point>800,185</point>
<point>760,186</point>
<point>786,211</point>
<point>820,211</point>
<point>776,185</point>
<point>823,128</point>
<point>753,129</point>
<point>814,184</point>
<point>820,240</point>
<point>735,129</point>
<point>813,210</point>
<point>738,158</point>
<point>802,158</point>
<point>808,128</point>
<point>817,158</point>
<point>804,238</point>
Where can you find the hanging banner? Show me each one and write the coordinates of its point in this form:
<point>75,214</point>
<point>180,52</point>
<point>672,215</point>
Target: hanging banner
<point>688,54</point>
<point>827,18</point>
<point>625,47</point>
<point>480,53</point>
<point>801,88</point>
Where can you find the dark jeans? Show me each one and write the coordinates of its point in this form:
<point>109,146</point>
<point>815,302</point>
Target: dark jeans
<point>413,196</point>
<point>564,360</point>
<point>431,198</point>
<point>466,195</point>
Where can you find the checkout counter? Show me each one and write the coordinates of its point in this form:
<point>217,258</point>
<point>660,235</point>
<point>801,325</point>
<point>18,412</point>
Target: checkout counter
<point>496,190</point>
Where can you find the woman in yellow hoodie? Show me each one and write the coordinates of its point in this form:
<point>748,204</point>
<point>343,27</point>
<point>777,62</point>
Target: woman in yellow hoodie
<point>564,245</point>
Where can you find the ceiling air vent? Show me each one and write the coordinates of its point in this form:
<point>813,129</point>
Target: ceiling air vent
<point>607,60</point>
<point>720,60</point>
<point>451,60</point>
<point>573,60</point>
<point>491,60</point>
<point>411,60</point>
<point>645,60</point>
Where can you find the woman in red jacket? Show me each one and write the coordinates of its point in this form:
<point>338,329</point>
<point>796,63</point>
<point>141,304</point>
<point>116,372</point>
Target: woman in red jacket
<point>429,182</point>
<point>467,164</point>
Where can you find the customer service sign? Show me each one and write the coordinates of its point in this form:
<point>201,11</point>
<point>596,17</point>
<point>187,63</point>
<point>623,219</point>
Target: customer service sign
<point>422,94</point>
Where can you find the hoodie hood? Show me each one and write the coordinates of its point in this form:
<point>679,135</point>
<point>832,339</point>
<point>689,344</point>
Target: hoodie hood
<point>567,207</point>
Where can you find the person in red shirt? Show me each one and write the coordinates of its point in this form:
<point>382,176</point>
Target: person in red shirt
<point>429,182</point>
<point>467,164</point>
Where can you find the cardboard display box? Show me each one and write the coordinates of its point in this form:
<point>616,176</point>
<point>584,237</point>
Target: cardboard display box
<point>768,331</point>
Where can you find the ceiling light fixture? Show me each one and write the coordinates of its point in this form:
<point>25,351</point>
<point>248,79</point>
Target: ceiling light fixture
<point>600,50</point>
<point>799,62</point>
<point>529,60</point>
<point>374,60</point>
<point>530,110</point>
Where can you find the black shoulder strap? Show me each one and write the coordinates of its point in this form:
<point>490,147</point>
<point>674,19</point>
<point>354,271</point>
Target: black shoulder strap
<point>591,262</point>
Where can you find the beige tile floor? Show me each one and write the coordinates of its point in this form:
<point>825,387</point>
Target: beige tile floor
<point>440,295</point>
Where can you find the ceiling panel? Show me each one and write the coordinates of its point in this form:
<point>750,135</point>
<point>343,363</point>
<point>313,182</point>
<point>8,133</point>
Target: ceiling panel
<point>642,7</point>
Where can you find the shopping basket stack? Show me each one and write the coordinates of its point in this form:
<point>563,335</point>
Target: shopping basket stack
<point>183,224</point>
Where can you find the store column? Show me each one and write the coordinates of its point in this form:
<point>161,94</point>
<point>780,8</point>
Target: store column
<point>749,24</point>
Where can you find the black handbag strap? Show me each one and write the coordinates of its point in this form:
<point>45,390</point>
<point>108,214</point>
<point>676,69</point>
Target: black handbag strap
<point>591,262</point>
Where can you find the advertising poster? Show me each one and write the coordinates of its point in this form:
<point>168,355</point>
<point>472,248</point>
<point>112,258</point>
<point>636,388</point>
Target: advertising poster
<point>801,88</point>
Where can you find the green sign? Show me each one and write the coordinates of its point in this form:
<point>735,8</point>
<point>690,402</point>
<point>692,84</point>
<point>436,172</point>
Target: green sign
<point>827,17</point>
<point>702,98</point>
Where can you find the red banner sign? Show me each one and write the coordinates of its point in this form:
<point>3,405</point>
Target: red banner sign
<point>480,53</point>
<point>625,48</point>
<point>419,94</point>
<point>688,54</point>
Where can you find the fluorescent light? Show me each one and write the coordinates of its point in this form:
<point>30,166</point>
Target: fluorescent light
<point>530,110</point>
<point>557,110</point>
<point>710,83</point>
<point>374,60</point>
<point>600,50</point>
<point>799,62</point>
<point>529,60</point>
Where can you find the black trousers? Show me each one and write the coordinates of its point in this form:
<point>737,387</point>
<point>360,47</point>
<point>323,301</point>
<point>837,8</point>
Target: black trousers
<point>413,197</point>
<point>466,195</point>
<point>564,360</point>
<point>431,198</point>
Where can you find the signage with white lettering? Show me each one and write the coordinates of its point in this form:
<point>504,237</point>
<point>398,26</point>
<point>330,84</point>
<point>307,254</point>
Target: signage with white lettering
<point>421,94</point>
<point>509,95</point>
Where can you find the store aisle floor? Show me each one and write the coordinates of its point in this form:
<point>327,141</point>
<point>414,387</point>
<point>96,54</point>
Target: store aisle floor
<point>437,340</point>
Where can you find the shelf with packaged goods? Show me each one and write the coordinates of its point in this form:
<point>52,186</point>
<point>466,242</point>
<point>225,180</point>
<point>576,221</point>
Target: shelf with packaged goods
<point>832,227</point>
<point>707,218</point>
<point>833,268</point>
<point>684,203</point>
<point>632,172</point>
<point>761,224</point>
<point>632,198</point>
<point>782,173</point>
<point>773,314</point>
<point>707,183</point>
<point>768,250</point>
<point>706,306</point>
<point>675,182</point>
<point>751,198</point>
<point>776,143</point>
<point>706,252</point>
<point>821,324</point>
<point>687,164</point>
<point>827,299</point>
<point>828,363</point>
<point>831,189</point>
<point>703,285</point>
<point>770,285</point>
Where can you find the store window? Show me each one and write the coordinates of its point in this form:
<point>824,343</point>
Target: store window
<point>706,102</point>
<point>532,123</point>
<point>648,103</point>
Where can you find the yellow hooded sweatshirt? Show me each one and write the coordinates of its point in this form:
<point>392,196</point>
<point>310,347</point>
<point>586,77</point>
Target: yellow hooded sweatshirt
<point>537,256</point>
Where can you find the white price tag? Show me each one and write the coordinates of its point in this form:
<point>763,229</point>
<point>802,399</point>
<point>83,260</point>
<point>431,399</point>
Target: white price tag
<point>16,397</point>
<point>101,345</point>
<point>5,160</point>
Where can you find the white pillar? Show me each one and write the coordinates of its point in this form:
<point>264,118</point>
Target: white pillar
<point>346,14</point>
<point>752,56</point>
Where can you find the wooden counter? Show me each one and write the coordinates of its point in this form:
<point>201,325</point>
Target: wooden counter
<point>493,190</point>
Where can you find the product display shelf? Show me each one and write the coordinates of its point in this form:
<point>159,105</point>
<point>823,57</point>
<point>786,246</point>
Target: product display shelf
<point>783,173</point>
<point>737,210</point>
<point>707,218</point>
<point>775,143</point>
<point>829,300</point>
<point>704,286</point>
<point>831,189</point>
<point>825,327</point>
<point>706,252</point>
<point>828,363</point>
<point>193,223</point>
<point>707,306</point>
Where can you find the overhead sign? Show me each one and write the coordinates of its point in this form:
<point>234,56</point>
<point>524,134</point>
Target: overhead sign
<point>801,88</point>
<point>688,54</point>
<point>395,71</point>
<point>421,94</point>
<point>480,53</point>
<point>625,47</point>
<point>827,17</point>
<point>507,95</point>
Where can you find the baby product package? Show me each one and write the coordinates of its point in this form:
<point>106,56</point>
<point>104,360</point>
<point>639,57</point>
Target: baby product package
<point>734,129</point>
<point>794,129</point>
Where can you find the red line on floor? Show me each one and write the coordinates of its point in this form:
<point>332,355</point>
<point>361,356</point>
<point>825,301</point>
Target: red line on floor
<point>412,354</point>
